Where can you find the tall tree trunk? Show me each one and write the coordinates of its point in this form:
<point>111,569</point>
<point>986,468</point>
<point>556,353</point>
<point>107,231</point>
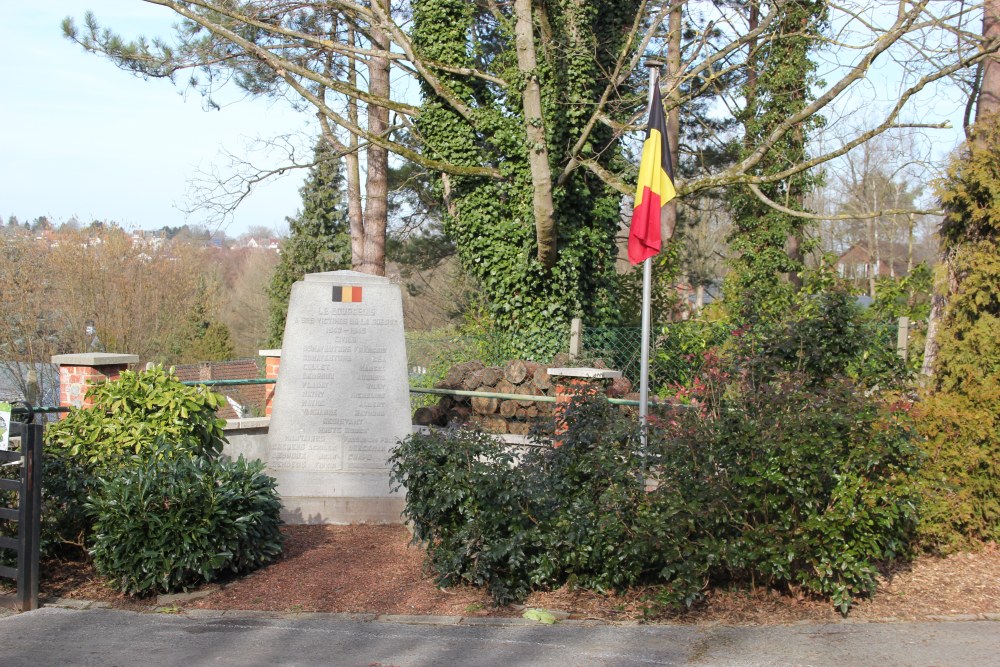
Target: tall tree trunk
<point>870,229</point>
<point>355,216</point>
<point>989,89</point>
<point>534,126</point>
<point>377,182</point>
<point>938,303</point>
<point>668,223</point>
<point>909,244</point>
<point>795,252</point>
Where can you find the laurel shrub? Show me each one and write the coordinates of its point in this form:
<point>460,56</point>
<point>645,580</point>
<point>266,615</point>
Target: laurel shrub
<point>168,524</point>
<point>774,466</point>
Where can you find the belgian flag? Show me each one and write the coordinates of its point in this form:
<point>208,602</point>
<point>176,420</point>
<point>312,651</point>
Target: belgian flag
<point>655,188</point>
<point>344,294</point>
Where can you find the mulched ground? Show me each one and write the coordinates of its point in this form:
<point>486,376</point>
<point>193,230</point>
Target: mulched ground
<point>373,569</point>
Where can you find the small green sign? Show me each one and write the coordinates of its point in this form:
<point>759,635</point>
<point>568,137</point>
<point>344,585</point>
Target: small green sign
<point>4,426</point>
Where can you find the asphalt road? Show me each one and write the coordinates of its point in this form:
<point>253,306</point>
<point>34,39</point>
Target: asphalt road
<point>52,636</point>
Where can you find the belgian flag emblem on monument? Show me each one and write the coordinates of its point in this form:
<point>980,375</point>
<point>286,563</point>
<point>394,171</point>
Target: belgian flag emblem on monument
<point>344,294</point>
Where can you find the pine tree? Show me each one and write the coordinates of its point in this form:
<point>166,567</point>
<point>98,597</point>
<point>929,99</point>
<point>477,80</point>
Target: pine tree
<point>959,416</point>
<point>204,337</point>
<point>319,238</point>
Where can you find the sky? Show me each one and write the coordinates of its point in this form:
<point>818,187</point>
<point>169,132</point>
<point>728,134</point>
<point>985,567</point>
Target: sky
<point>84,139</point>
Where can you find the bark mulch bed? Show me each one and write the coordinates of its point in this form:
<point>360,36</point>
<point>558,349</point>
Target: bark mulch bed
<point>374,569</point>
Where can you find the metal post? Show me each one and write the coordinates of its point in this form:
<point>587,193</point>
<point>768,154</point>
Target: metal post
<point>647,281</point>
<point>903,337</point>
<point>647,286</point>
<point>31,445</point>
<point>575,337</point>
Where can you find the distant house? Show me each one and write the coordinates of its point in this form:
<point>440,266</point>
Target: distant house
<point>856,263</point>
<point>261,244</point>
<point>147,239</point>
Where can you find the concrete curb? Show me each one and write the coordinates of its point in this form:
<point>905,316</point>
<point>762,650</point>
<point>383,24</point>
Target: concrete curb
<point>413,619</point>
<point>469,621</point>
<point>174,598</point>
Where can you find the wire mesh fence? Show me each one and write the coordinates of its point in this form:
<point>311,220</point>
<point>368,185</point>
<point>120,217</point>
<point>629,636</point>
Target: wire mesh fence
<point>430,354</point>
<point>677,349</point>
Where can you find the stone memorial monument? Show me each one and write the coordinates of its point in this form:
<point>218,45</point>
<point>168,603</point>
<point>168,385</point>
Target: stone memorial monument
<point>341,401</point>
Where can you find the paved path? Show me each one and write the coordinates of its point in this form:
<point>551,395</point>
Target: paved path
<point>53,636</point>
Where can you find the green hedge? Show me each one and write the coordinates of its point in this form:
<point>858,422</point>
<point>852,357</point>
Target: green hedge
<point>166,525</point>
<point>776,467</point>
<point>138,482</point>
<point>141,414</point>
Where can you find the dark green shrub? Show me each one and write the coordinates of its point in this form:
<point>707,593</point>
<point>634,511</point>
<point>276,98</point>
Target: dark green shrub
<point>131,416</point>
<point>472,507</point>
<point>778,469</point>
<point>813,482</point>
<point>826,335</point>
<point>599,529</point>
<point>168,524</point>
<point>908,296</point>
<point>680,348</point>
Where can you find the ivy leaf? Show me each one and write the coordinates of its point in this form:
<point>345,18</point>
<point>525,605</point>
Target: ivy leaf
<point>539,615</point>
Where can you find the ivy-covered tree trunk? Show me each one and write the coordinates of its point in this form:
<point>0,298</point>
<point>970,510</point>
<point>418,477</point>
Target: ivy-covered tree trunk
<point>495,221</point>
<point>534,129</point>
<point>779,74</point>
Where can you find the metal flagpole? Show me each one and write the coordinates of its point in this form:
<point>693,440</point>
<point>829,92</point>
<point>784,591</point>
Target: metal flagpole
<point>647,287</point>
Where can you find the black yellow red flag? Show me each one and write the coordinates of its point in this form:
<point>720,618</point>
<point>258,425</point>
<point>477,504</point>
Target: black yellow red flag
<point>655,188</point>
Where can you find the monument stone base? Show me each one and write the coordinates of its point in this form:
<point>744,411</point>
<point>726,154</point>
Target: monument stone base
<point>342,511</point>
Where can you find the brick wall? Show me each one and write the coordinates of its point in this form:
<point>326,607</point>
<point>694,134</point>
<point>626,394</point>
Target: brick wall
<point>251,396</point>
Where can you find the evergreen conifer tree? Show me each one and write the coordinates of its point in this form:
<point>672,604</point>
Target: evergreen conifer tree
<point>204,337</point>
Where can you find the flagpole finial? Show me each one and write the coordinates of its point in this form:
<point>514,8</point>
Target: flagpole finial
<point>654,63</point>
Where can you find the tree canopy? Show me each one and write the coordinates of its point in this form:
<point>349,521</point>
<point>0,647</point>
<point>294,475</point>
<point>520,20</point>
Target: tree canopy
<point>527,107</point>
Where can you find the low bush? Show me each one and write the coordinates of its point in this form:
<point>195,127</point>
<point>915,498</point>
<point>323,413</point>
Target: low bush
<point>132,413</point>
<point>777,468</point>
<point>680,347</point>
<point>470,504</point>
<point>137,482</point>
<point>810,486</point>
<point>167,524</point>
<point>137,415</point>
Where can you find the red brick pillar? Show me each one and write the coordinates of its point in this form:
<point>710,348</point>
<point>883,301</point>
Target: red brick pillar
<point>272,363</point>
<point>575,382</point>
<point>79,371</point>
